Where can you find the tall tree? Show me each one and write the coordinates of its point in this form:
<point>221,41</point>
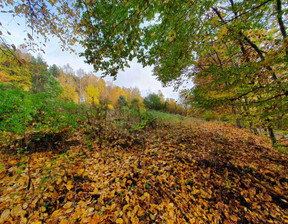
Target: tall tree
<point>91,95</point>
<point>170,34</point>
<point>133,93</point>
<point>69,94</point>
<point>116,92</point>
<point>43,80</point>
<point>240,45</point>
<point>15,72</point>
<point>153,101</point>
<point>54,71</point>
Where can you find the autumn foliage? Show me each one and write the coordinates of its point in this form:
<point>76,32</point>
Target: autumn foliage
<point>194,173</point>
<point>75,148</point>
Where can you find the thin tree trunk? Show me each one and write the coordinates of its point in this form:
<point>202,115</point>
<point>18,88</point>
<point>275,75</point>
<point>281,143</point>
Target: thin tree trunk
<point>272,135</point>
<point>249,42</point>
<point>238,121</point>
<point>281,24</point>
<point>280,19</point>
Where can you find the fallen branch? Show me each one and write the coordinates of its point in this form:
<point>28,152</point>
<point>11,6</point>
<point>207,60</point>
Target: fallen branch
<point>171,199</point>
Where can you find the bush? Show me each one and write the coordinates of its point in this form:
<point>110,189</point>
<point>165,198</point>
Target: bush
<point>22,113</point>
<point>153,102</point>
<point>210,115</point>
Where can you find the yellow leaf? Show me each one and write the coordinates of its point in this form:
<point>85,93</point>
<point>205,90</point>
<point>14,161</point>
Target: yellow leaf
<point>17,211</point>
<point>125,207</point>
<point>69,210</point>
<point>146,194</point>
<point>68,204</point>
<point>127,198</point>
<point>69,187</point>
<point>91,95</point>
<point>110,107</point>
<point>56,212</point>
<point>119,221</point>
<point>80,172</point>
<point>43,209</point>
<point>134,220</point>
<point>25,206</point>
<point>64,221</point>
<point>96,191</point>
<point>58,181</point>
<point>94,219</point>
<point>37,222</point>
<point>12,162</point>
<point>5,215</point>
<point>141,212</point>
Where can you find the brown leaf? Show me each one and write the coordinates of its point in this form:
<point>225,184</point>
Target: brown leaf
<point>29,36</point>
<point>234,218</point>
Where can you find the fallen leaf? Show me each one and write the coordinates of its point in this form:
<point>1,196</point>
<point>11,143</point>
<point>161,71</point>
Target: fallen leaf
<point>119,221</point>
<point>5,215</point>
<point>68,204</point>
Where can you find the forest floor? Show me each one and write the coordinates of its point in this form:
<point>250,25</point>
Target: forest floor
<point>204,172</point>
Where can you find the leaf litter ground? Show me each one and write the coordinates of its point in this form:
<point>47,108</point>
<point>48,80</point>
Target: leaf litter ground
<point>201,173</point>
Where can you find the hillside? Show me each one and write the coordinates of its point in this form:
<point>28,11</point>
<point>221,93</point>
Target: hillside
<point>200,172</point>
<point>100,136</point>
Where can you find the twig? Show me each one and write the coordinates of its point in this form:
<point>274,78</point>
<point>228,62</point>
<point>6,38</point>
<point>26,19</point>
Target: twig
<point>173,201</point>
<point>75,196</point>
<point>282,199</point>
<point>250,10</point>
<point>78,178</point>
<point>29,174</point>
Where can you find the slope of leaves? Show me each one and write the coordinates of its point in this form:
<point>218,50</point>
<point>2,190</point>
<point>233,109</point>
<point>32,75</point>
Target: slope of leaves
<point>198,173</point>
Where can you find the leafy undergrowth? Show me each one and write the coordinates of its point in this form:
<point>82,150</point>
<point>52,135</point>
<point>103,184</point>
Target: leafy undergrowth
<point>198,173</point>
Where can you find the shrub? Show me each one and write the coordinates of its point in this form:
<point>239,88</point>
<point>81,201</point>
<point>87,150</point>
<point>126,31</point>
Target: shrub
<point>210,115</point>
<point>22,113</point>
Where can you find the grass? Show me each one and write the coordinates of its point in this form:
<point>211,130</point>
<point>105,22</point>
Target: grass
<point>172,119</point>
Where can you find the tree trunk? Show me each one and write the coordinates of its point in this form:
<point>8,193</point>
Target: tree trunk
<point>272,135</point>
<point>253,129</point>
<point>281,24</point>
<point>238,121</point>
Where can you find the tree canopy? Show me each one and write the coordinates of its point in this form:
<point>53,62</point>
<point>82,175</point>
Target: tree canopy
<point>75,148</point>
<point>153,101</point>
<point>43,19</point>
<point>236,51</point>
<point>172,35</point>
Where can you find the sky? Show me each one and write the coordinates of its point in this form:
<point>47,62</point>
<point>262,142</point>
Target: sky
<point>135,76</point>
